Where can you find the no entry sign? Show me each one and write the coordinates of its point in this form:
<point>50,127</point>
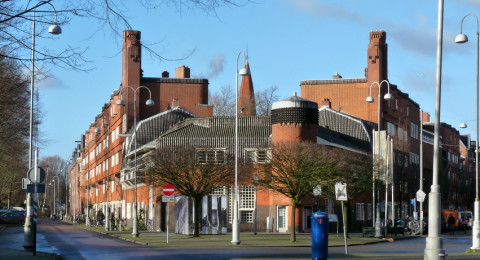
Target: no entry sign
<point>168,189</point>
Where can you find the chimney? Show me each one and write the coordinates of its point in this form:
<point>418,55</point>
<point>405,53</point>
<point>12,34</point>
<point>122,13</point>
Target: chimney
<point>337,76</point>
<point>326,103</point>
<point>165,74</point>
<point>182,72</point>
<point>425,117</point>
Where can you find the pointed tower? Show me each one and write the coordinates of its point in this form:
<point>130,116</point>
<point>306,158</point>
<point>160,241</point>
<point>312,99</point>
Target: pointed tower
<point>246,97</point>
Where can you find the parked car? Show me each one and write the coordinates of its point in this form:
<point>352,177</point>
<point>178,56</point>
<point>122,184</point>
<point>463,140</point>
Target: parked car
<point>15,217</point>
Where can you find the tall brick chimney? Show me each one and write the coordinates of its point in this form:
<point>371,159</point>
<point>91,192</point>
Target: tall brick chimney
<point>131,59</point>
<point>131,72</point>
<point>246,97</point>
<point>182,72</point>
<point>377,57</point>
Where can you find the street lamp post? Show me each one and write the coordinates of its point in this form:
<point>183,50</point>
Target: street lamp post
<point>30,227</point>
<point>462,38</point>
<point>434,243</point>
<point>54,195</point>
<point>370,99</point>
<point>255,182</point>
<point>66,192</point>
<point>149,102</point>
<point>236,221</point>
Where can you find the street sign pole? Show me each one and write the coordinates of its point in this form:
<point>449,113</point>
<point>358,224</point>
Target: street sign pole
<point>168,219</point>
<point>168,191</point>
<point>35,203</point>
<point>341,194</point>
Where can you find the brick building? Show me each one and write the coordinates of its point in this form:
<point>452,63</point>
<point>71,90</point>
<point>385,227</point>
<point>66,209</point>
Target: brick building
<point>401,118</point>
<point>96,174</point>
<point>331,112</point>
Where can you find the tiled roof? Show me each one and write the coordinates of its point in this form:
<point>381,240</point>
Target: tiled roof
<point>344,131</point>
<point>149,129</point>
<point>345,124</point>
<point>219,132</point>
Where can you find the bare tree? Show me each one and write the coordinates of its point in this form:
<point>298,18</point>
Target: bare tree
<point>296,168</point>
<point>55,168</point>
<point>111,15</point>
<point>195,179</point>
<point>265,99</point>
<point>14,126</point>
<point>223,101</point>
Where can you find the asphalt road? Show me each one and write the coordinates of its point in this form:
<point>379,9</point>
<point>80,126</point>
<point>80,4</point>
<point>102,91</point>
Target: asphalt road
<point>72,243</point>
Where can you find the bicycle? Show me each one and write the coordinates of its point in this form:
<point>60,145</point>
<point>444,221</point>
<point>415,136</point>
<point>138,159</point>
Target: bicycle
<point>150,225</point>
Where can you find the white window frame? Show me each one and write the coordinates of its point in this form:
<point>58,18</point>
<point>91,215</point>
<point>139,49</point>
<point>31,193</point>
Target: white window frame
<point>216,156</point>
<point>257,155</point>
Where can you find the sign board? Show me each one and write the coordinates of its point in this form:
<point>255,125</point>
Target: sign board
<point>317,190</point>
<point>332,218</point>
<point>420,195</point>
<point>168,189</point>
<point>341,191</point>
<point>40,188</point>
<point>41,175</point>
<point>168,198</point>
<point>25,182</point>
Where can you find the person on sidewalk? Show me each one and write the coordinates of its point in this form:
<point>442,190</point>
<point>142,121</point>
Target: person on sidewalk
<point>112,222</point>
<point>451,224</point>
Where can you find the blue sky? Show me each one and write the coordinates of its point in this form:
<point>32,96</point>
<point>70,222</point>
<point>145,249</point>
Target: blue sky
<point>287,40</point>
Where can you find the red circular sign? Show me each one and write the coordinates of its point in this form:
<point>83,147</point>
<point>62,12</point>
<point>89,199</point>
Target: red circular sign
<point>168,189</point>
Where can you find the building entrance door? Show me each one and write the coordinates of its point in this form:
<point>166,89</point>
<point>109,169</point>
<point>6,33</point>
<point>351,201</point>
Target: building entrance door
<point>282,218</point>
<point>307,222</point>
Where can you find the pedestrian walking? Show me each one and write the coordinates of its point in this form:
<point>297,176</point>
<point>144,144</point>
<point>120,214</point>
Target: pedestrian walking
<point>112,222</point>
<point>451,224</point>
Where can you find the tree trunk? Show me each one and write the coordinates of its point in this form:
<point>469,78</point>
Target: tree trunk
<point>196,212</point>
<point>293,237</point>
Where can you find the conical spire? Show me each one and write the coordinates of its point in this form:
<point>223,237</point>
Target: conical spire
<point>246,98</point>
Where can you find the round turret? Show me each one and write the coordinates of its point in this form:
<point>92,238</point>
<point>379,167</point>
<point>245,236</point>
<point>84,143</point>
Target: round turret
<point>294,119</point>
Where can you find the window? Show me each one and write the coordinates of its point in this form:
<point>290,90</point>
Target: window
<point>218,191</point>
<point>414,130</point>
<point>216,156</point>
<point>414,158</point>
<point>124,124</point>
<point>247,203</point>
<point>360,211</point>
<point>246,216</point>
<point>390,129</point>
<point>369,211</point>
<point>258,155</point>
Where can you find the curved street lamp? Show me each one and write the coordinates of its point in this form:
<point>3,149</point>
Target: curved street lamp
<point>149,102</point>
<point>30,227</point>
<point>236,221</point>
<point>370,99</point>
<point>462,38</point>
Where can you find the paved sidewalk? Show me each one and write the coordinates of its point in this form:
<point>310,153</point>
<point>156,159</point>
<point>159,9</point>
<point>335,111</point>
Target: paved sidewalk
<point>17,253</point>
<point>248,240</point>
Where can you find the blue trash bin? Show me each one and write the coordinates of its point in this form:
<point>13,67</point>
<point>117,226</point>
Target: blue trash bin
<point>319,235</point>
